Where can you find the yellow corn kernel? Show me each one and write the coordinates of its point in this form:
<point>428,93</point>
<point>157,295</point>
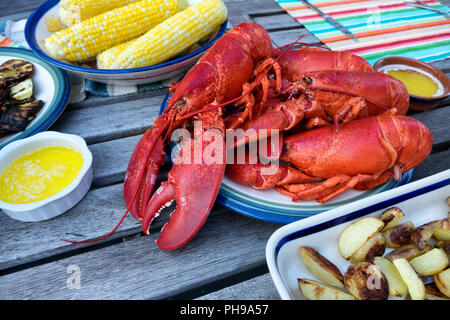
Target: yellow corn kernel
<point>74,11</point>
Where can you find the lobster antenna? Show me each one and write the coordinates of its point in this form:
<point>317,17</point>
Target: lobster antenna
<point>346,92</point>
<point>121,219</point>
<point>296,42</point>
<point>106,235</point>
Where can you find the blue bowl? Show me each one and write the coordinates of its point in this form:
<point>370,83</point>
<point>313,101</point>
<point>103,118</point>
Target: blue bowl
<point>36,32</point>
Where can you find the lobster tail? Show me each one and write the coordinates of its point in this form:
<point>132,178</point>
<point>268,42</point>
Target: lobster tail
<point>411,139</point>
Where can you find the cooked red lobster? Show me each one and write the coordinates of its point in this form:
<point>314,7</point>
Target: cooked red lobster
<point>243,83</point>
<point>362,154</point>
<point>243,70</point>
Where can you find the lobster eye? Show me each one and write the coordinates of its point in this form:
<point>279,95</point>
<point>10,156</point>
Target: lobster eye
<point>308,80</point>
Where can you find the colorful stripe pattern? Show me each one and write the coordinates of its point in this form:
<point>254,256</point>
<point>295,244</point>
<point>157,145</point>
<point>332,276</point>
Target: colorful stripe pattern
<point>5,42</point>
<point>383,27</point>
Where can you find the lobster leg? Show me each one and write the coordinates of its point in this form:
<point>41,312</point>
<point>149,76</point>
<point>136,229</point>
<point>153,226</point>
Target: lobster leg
<point>343,181</point>
<point>350,110</point>
<point>292,189</point>
<point>264,176</point>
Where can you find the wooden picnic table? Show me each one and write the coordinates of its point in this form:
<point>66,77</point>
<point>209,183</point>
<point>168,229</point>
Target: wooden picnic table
<point>226,259</point>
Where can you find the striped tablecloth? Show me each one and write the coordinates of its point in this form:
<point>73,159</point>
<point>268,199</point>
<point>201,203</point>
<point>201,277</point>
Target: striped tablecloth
<point>383,27</point>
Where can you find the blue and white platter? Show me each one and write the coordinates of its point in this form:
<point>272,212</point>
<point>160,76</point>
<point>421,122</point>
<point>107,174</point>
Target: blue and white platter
<point>272,206</point>
<point>421,201</point>
<point>51,85</point>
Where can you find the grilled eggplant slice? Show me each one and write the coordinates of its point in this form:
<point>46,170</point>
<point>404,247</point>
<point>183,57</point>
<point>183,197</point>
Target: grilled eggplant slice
<point>4,90</point>
<point>15,70</point>
<point>16,117</point>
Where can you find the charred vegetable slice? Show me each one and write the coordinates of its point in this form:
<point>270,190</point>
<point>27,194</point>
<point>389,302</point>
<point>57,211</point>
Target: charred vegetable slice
<point>4,90</point>
<point>16,117</point>
<point>15,70</point>
<point>23,90</point>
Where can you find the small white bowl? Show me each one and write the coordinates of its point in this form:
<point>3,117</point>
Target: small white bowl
<point>63,200</point>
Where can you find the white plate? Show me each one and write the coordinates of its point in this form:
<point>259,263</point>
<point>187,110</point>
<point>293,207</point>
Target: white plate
<point>422,201</point>
<point>51,85</point>
<point>272,206</point>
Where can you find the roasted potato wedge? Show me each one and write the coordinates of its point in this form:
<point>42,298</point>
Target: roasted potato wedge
<point>15,70</point>
<point>399,235</point>
<point>365,281</point>
<point>432,292</point>
<point>391,217</point>
<point>356,234</point>
<point>424,233</point>
<point>430,263</point>
<point>442,280</point>
<point>408,252</point>
<point>442,230</point>
<point>321,267</point>
<point>397,287</point>
<point>373,247</point>
<point>415,285</point>
<point>313,290</point>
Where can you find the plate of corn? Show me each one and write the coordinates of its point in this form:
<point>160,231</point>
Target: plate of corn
<point>125,42</point>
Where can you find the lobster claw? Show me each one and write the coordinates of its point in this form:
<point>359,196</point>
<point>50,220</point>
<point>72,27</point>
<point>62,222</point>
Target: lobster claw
<point>194,186</point>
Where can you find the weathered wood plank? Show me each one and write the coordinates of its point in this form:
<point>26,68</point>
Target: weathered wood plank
<point>95,101</point>
<point>7,8</point>
<point>95,215</point>
<point>435,163</point>
<point>107,122</point>
<point>137,269</point>
<point>277,21</point>
<point>111,159</point>
<point>280,38</point>
<point>258,288</point>
<point>264,7</point>
<point>437,121</point>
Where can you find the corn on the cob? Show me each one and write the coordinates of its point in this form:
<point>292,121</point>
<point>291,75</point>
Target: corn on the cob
<point>171,37</point>
<point>106,58</point>
<point>74,11</point>
<point>85,40</point>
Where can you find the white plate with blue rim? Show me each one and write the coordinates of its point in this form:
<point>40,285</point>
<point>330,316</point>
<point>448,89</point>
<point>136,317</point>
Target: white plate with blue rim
<point>272,206</point>
<point>421,201</point>
<point>36,32</point>
<point>50,84</point>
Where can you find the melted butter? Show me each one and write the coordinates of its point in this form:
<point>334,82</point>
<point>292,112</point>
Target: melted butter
<point>416,81</point>
<point>39,174</point>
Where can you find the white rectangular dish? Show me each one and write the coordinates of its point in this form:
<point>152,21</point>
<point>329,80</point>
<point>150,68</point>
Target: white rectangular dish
<point>421,201</point>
